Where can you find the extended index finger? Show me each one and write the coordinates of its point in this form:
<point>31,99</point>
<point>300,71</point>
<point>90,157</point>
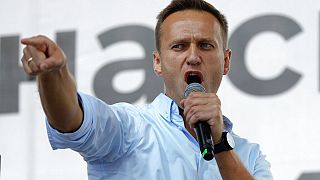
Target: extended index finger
<point>40,42</point>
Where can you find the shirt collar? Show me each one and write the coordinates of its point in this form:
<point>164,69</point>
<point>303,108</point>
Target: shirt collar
<point>167,107</point>
<point>163,105</point>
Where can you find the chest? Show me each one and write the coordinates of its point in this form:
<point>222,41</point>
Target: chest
<point>168,151</point>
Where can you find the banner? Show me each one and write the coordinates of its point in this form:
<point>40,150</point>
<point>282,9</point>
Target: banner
<point>272,93</point>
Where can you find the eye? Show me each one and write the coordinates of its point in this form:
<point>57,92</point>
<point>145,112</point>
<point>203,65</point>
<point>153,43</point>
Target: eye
<point>178,47</point>
<point>206,46</point>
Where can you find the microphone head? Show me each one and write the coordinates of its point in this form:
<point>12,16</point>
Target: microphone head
<point>193,87</point>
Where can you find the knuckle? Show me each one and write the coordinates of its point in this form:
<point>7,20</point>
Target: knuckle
<point>24,50</point>
<point>40,36</point>
<point>217,113</point>
<point>34,68</point>
<point>191,120</point>
<point>29,72</point>
<point>192,111</point>
<point>29,49</point>
<point>196,115</point>
<point>216,106</point>
<point>192,94</point>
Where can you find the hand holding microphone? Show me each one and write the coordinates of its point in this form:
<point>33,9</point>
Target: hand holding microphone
<point>202,111</point>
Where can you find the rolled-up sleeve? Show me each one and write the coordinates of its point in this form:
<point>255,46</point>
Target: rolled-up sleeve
<point>261,167</point>
<point>107,131</point>
<point>252,157</point>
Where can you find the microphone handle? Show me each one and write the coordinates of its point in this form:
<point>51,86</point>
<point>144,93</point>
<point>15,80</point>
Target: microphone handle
<point>203,133</point>
<point>203,130</point>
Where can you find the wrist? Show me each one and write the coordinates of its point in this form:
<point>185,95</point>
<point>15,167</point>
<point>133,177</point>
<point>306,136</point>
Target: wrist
<point>217,136</point>
<point>217,139</point>
<point>226,143</point>
<point>54,73</point>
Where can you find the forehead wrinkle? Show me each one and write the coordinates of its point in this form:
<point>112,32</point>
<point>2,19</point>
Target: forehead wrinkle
<point>188,36</point>
<point>182,26</point>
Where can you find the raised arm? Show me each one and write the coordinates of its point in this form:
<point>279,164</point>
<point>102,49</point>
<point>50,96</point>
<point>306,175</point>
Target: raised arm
<point>44,59</point>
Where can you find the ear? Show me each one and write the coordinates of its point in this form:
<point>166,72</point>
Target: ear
<point>227,61</point>
<point>157,63</point>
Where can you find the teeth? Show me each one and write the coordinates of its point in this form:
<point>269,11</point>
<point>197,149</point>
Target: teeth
<point>193,74</point>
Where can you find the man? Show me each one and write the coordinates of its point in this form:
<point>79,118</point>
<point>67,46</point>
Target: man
<point>122,141</point>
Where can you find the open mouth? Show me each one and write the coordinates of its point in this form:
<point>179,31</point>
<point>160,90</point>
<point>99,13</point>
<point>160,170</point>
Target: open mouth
<point>193,77</point>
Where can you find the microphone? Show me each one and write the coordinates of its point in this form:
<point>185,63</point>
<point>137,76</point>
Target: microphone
<point>203,131</point>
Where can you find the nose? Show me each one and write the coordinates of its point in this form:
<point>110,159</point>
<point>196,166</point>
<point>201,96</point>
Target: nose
<point>193,57</point>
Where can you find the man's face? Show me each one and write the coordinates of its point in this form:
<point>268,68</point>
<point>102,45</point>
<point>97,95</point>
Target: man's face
<point>191,46</point>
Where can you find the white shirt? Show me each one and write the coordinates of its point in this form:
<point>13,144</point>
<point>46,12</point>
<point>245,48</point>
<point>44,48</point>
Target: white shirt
<point>122,141</point>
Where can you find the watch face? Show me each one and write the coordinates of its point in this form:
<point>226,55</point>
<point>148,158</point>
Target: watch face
<point>230,140</point>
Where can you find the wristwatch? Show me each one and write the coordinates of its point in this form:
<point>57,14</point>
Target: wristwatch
<point>226,143</point>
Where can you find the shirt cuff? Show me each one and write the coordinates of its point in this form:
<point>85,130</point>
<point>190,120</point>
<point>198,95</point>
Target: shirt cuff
<point>60,140</point>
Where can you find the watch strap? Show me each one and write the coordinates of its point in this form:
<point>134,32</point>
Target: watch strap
<point>223,145</point>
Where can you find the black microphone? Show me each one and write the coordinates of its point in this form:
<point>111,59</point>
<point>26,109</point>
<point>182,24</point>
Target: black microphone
<point>203,131</point>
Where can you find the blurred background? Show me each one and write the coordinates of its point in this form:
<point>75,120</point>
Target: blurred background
<point>272,93</point>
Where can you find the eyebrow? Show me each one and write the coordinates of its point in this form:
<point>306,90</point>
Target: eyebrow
<point>187,40</point>
<point>177,41</point>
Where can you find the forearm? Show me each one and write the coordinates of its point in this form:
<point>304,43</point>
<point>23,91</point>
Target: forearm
<point>231,167</point>
<point>59,99</point>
